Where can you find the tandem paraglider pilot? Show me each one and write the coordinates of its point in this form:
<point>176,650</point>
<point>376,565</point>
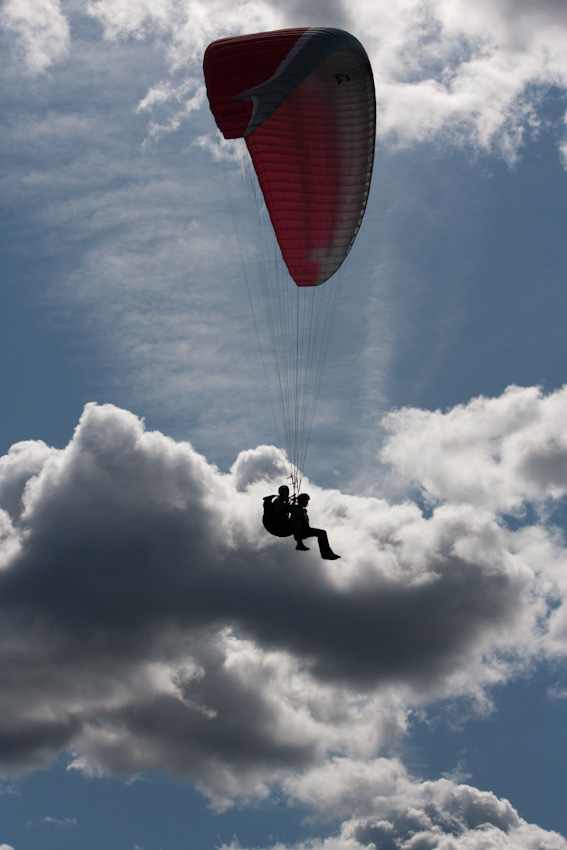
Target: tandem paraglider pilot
<point>302,530</point>
<point>276,513</point>
<point>284,519</point>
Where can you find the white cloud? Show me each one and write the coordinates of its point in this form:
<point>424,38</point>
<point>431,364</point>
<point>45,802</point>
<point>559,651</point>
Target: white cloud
<point>149,622</point>
<point>497,453</point>
<point>41,28</point>
<point>467,74</point>
<point>390,810</point>
<point>195,22</point>
<point>133,18</point>
<point>59,821</point>
<point>557,692</point>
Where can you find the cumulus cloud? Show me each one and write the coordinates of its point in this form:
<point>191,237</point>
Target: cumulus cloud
<point>149,622</point>
<point>494,452</point>
<point>464,74</point>
<point>392,811</point>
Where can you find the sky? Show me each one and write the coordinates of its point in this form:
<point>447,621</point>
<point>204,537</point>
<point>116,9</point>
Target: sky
<point>173,678</point>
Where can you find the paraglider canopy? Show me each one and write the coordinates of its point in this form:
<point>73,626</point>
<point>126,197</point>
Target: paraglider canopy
<point>303,99</point>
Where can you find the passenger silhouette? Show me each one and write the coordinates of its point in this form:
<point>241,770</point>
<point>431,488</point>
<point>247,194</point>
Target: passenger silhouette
<point>302,530</point>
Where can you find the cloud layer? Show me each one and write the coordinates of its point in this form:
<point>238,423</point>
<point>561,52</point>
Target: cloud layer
<point>444,70</point>
<point>149,622</point>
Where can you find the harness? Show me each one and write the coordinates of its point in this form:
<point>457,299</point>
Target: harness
<point>278,525</point>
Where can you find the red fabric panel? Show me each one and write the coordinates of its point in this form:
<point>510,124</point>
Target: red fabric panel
<point>313,159</point>
<point>234,65</point>
<point>310,126</point>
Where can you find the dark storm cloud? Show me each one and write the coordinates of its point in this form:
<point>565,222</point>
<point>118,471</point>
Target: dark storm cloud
<point>123,539</point>
<point>147,620</point>
<point>371,634</point>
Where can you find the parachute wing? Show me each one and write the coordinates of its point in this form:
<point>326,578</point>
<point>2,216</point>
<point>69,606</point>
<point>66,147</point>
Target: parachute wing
<point>303,99</point>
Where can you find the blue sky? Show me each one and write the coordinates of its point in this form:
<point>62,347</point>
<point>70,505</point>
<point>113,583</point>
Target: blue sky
<point>171,677</point>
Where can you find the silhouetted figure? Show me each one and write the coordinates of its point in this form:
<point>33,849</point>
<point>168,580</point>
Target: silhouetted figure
<point>302,530</point>
<point>276,513</point>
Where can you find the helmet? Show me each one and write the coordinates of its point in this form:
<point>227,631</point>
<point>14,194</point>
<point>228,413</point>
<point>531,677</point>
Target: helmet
<point>283,490</point>
<point>303,497</point>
